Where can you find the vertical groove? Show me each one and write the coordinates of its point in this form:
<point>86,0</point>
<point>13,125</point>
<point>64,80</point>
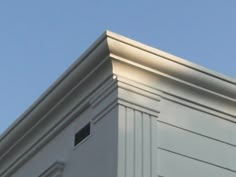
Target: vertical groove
<point>121,143</point>
<point>133,136</point>
<point>138,144</point>
<point>154,146</point>
<point>150,124</point>
<point>130,142</point>
<point>134,142</point>
<point>142,145</point>
<point>138,137</point>
<point>125,162</point>
<point>157,145</point>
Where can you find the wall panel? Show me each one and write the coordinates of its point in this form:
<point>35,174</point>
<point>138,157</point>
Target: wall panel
<point>194,141</point>
<point>174,165</point>
<point>136,143</point>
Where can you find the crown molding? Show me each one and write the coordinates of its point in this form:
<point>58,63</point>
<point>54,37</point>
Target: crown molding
<point>152,58</point>
<point>75,74</point>
<point>109,48</point>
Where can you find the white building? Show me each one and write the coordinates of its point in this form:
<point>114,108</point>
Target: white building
<point>124,109</point>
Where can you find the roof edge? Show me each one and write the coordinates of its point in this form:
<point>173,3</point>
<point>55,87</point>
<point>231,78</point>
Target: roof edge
<point>112,43</point>
<point>169,56</point>
<point>171,65</point>
<point>69,79</point>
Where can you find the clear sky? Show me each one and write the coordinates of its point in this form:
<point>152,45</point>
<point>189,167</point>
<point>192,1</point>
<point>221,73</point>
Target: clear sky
<point>40,39</point>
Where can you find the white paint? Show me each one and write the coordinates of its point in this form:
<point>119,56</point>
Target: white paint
<point>152,114</point>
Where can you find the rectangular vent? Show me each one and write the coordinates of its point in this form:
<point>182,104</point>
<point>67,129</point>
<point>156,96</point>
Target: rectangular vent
<point>82,134</point>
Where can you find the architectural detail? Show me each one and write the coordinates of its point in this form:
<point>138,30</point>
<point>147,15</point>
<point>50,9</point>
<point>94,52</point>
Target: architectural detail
<point>125,109</point>
<point>55,170</point>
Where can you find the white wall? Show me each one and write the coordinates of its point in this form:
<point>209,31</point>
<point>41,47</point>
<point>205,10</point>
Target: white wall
<point>195,143</point>
<point>137,139</point>
<point>95,157</point>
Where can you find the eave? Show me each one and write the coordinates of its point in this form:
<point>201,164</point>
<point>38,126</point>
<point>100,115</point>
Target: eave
<point>111,45</point>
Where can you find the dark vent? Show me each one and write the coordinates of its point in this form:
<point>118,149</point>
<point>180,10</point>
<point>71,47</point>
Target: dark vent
<point>82,134</point>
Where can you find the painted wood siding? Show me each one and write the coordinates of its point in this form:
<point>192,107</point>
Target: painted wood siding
<point>136,143</point>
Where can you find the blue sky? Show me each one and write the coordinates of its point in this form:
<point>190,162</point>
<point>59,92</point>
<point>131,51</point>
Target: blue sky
<point>40,39</point>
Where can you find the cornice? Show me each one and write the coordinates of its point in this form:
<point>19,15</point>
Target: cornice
<point>144,56</point>
<point>52,124</point>
<point>77,74</point>
<point>108,47</point>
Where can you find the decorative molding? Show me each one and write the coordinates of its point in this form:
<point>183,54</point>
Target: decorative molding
<point>100,94</point>
<point>111,43</point>
<point>55,170</point>
<point>200,107</point>
<point>137,143</point>
<point>140,90</point>
<point>165,86</point>
<point>55,128</point>
<point>151,112</point>
<point>157,60</point>
<point>96,118</point>
<point>102,55</point>
<point>73,77</point>
<point>158,94</point>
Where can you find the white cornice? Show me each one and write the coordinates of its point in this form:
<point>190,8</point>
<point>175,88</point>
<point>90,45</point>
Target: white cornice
<point>111,43</point>
<point>168,64</point>
<point>75,74</point>
<point>107,48</point>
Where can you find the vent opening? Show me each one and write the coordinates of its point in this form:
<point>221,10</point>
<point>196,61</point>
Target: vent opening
<point>82,134</point>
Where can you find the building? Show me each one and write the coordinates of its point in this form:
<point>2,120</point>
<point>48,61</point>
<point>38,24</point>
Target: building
<point>124,109</point>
